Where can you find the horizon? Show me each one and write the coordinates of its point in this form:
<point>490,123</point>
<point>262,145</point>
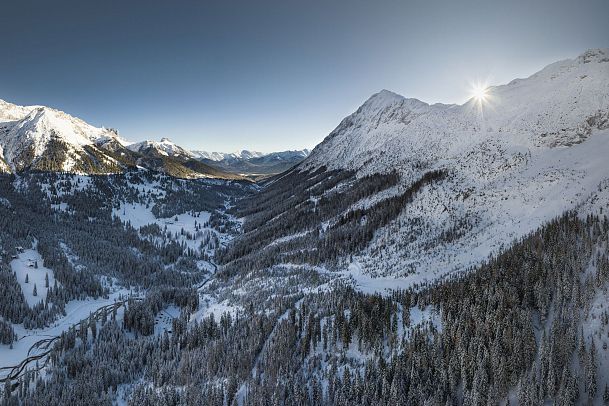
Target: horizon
<point>279,79</point>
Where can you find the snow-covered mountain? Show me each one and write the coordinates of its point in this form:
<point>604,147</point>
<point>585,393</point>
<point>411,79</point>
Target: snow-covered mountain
<point>40,138</point>
<point>251,163</point>
<point>534,149</point>
<point>295,155</point>
<point>220,156</point>
<point>558,106</point>
<point>165,147</point>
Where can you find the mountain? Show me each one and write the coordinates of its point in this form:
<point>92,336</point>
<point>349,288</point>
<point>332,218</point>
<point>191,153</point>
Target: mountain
<point>220,156</point>
<point>38,138</point>
<point>283,156</point>
<point>558,106</point>
<point>41,138</point>
<point>253,164</point>
<point>406,192</point>
<point>165,147</point>
<point>167,157</point>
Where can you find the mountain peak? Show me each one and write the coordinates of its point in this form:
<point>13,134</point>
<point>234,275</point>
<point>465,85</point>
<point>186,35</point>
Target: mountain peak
<point>561,105</point>
<point>386,99</point>
<point>387,95</point>
<point>164,147</point>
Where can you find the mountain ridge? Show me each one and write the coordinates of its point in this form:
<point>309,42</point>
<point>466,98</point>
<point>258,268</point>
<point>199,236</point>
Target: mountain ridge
<point>538,115</point>
<point>40,138</point>
<point>535,149</point>
<point>255,165</point>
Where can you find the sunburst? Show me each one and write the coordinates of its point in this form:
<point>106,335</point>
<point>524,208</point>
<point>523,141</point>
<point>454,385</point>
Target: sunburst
<point>479,92</point>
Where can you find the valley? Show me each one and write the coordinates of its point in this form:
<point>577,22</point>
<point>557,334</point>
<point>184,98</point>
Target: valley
<point>420,254</point>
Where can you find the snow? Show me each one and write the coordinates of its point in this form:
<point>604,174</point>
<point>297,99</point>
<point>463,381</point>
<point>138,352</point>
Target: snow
<point>288,238</point>
<point>76,311</point>
<point>164,320</point>
<point>220,156</point>
<point>246,155</point>
<point>23,266</point>
<point>425,315</point>
<point>165,147</point>
<point>374,284</point>
<point>209,305</point>
<point>139,215</point>
<point>60,207</point>
<point>537,149</point>
<point>32,128</point>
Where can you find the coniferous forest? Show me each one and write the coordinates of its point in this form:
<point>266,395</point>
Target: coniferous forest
<point>528,326</point>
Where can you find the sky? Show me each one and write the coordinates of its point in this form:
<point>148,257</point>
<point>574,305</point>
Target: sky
<point>272,75</point>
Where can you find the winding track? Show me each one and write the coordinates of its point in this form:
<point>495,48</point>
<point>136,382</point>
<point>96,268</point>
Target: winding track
<point>45,344</point>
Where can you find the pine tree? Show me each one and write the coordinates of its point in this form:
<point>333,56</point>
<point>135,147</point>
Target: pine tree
<point>7,389</point>
<point>46,280</point>
<point>591,371</point>
<point>35,293</point>
<point>27,278</point>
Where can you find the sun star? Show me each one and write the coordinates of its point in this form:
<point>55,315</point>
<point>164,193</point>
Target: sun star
<point>479,92</point>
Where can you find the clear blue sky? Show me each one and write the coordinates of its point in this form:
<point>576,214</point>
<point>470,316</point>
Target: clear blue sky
<point>272,75</point>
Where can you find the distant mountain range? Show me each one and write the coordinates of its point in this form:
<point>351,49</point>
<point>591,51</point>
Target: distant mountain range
<point>252,163</point>
<point>40,138</point>
<point>220,156</point>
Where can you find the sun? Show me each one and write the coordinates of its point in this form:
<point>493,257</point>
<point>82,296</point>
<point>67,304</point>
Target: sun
<point>479,92</point>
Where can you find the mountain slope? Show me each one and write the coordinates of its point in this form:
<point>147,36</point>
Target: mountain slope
<point>560,105</point>
<point>38,138</point>
<point>534,150</point>
<point>48,139</point>
<point>165,147</point>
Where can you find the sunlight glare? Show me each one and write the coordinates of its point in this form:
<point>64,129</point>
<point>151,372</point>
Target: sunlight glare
<point>479,92</point>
